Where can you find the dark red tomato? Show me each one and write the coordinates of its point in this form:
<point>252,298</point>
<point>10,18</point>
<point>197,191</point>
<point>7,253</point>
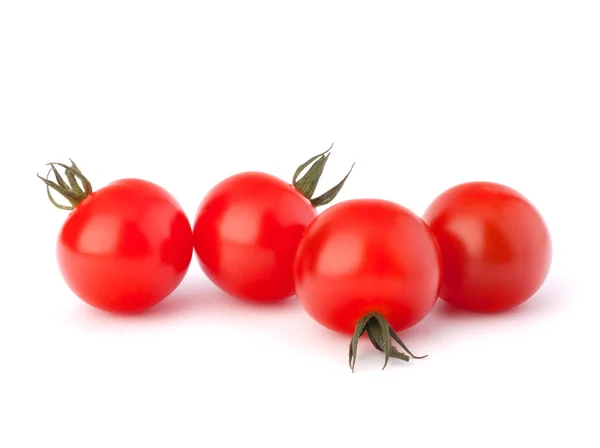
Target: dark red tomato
<point>125,247</point>
<point>248,228</point>
<point>496,248</point>
<point>367,256</point>
<point>246,234</point>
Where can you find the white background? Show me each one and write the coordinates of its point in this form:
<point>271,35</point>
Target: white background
<point>421,94</point>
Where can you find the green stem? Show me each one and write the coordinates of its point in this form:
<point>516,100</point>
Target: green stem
<point>307,184</point>
<point>380,334</point>
<point>71,190</point>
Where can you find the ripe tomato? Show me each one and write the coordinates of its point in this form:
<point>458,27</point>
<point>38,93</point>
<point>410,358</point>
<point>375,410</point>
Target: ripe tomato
<point>125,247</point>
<point>368,265</point>
<point>248,228</point>
<point>496,248</point>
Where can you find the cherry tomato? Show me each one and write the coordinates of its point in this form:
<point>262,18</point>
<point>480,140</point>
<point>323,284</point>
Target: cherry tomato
<point>248,228</point>
<point>125,247</point>
<point>496,248</point>
<point>368,265</point>
<point>246,234</point>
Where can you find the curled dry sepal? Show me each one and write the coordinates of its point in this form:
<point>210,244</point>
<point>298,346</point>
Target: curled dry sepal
<point>70,189</point>
<point>307,184</point>
<point>380,333</point>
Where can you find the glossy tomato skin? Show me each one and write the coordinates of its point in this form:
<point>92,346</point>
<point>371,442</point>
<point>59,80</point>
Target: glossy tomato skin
<point>126,247</point>
<point>367,255</point>
<point>496,248</point>
<point>246,234</point>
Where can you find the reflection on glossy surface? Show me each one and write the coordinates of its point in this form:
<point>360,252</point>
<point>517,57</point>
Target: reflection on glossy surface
<point>126,247</point>
<point>343,254</point>
<point>240,224</point>
<point>100,235</point>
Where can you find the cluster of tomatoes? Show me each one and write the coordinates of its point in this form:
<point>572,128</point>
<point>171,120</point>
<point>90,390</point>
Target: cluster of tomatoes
<point>362,266</point>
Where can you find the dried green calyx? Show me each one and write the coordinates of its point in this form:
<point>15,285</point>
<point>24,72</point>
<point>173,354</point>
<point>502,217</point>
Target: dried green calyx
<point>307,184</point>
<point>380,333</point>
<point>70,189</point>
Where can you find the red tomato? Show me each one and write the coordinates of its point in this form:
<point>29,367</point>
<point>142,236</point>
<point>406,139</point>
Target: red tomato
<point>125,247</point>
<point>248,228</point>
<point>246,234</point>
<point>496,248</point>
<point>367,255</point>
<point>368,258</point>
